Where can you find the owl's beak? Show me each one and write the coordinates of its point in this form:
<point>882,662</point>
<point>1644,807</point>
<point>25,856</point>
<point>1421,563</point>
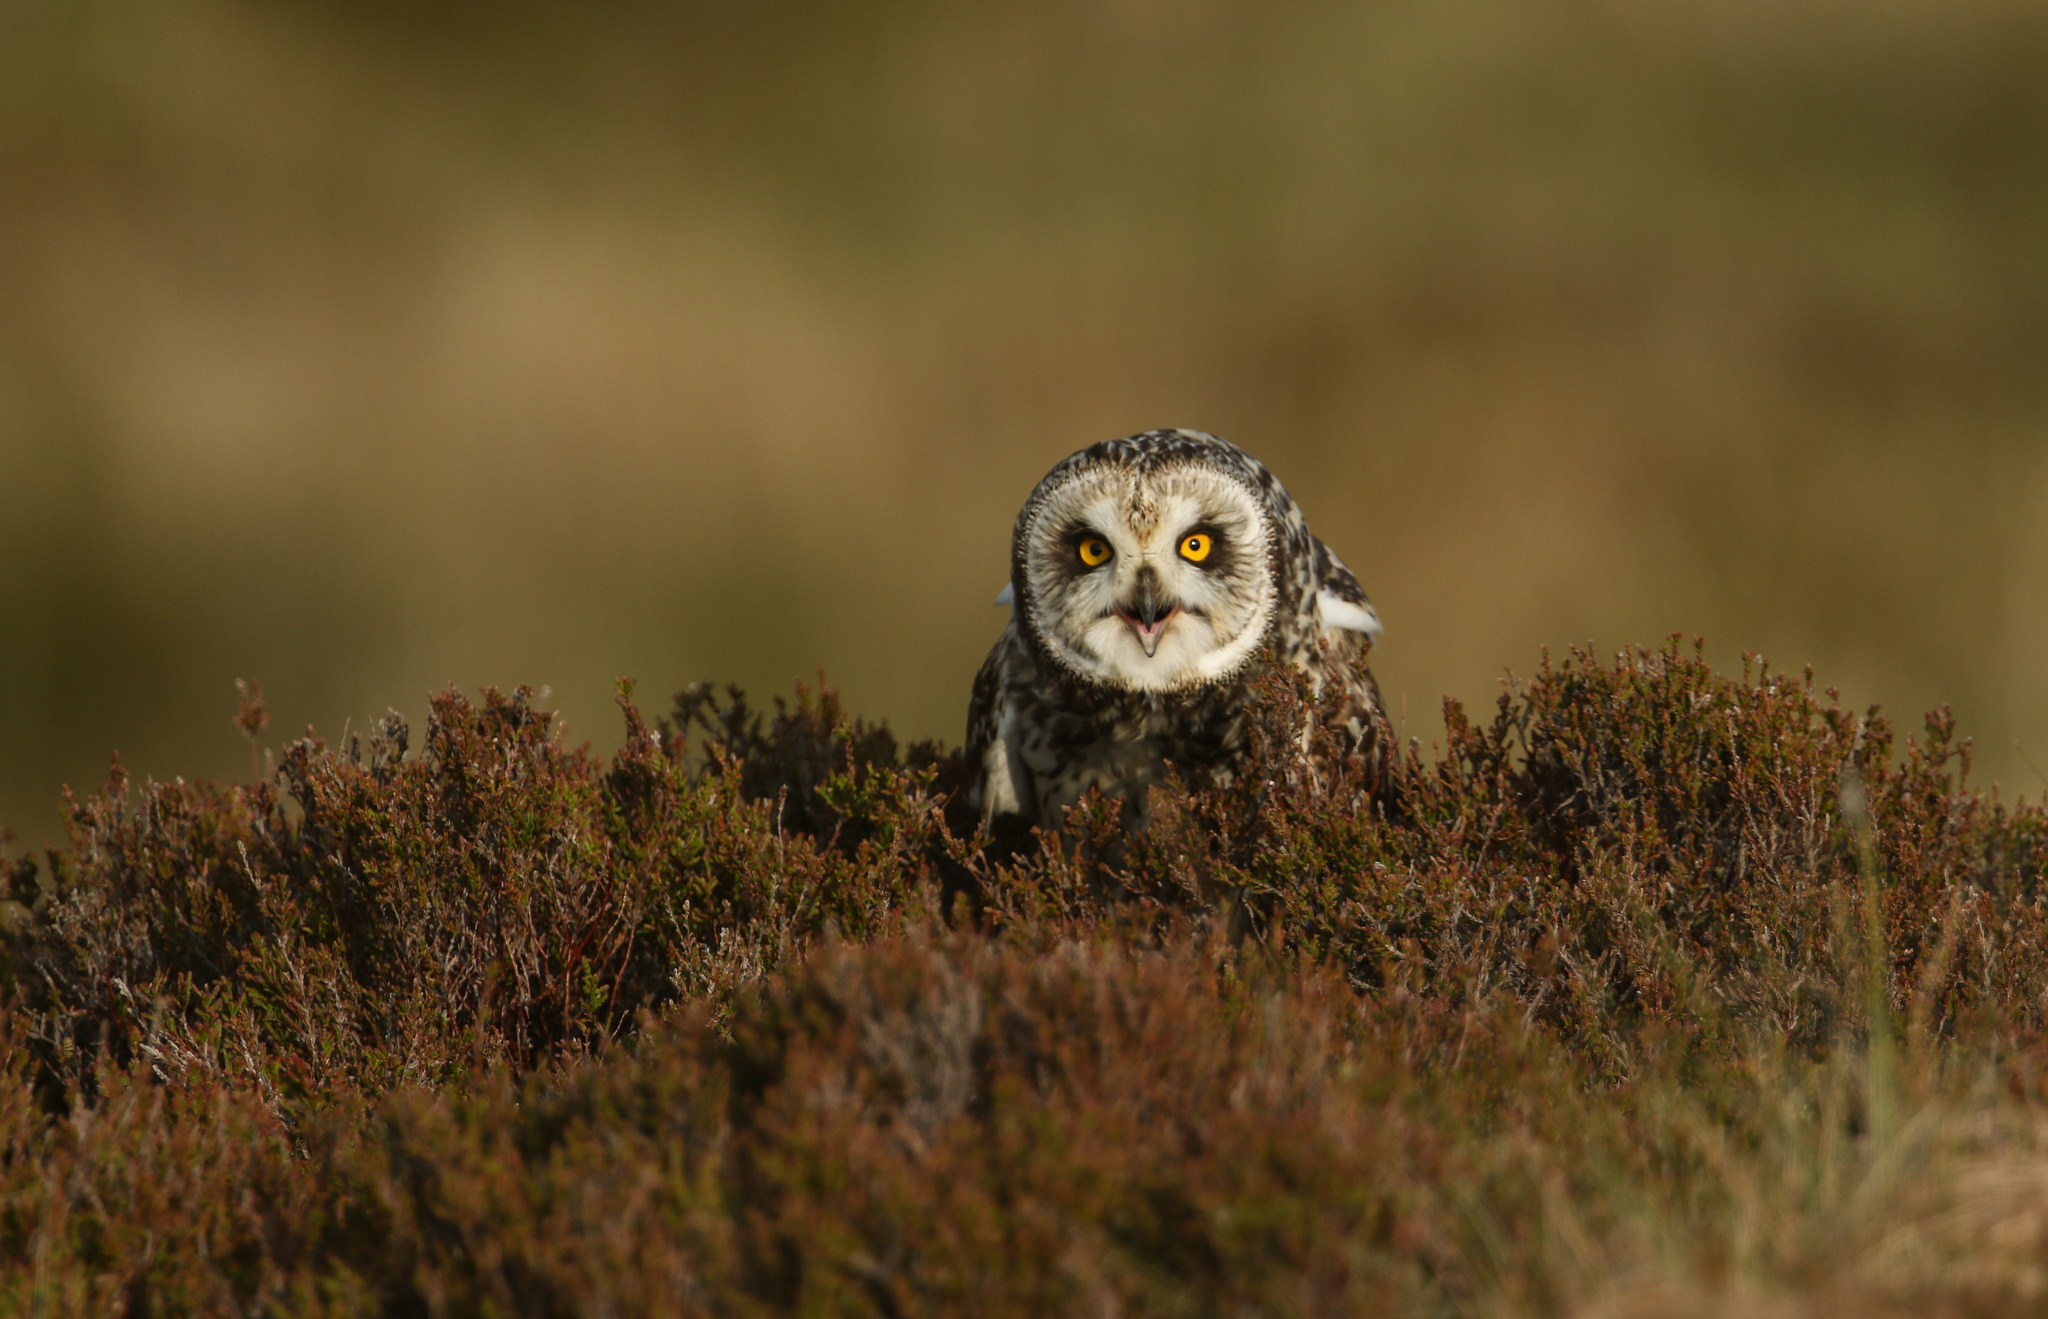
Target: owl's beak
<point>1149,619</point>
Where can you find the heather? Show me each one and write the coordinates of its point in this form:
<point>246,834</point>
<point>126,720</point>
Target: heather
<point>1653,991</point>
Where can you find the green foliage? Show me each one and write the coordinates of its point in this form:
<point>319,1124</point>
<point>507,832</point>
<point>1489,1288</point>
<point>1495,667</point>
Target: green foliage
<point>1661,991</point>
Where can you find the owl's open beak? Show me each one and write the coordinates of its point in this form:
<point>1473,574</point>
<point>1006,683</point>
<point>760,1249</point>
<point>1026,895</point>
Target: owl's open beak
<point>1149,619</point>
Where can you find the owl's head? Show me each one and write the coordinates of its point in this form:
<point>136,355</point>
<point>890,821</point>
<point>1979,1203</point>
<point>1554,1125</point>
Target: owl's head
<point>1147,564</point>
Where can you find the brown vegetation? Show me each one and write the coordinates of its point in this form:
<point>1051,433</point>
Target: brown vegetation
<point>1660,992</point>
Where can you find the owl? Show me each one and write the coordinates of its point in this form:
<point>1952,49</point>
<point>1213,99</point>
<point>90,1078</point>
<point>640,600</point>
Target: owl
<point>1150,578</point>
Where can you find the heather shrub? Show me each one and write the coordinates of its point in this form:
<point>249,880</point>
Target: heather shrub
<point>1660,991</point>
<point>368,919</point>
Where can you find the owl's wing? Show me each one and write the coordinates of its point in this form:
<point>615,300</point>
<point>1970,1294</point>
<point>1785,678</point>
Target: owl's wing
<point>1357,720</point>
<point>1340,599</point>
<point>1002,783</point>
<point>1352,710</point>
<point>982,720</point>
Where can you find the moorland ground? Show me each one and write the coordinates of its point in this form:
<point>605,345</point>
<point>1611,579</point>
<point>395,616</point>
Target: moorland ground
<point>1660,991</point>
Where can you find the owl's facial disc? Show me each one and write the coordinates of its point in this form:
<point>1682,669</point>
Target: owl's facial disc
<point>1151,582</point>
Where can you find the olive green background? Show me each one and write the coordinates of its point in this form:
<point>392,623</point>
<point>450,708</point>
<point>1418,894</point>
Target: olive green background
<point>362,349</point>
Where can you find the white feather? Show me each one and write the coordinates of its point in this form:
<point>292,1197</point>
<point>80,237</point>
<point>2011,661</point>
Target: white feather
<point>1347,616</point>
<point>1006,597</point>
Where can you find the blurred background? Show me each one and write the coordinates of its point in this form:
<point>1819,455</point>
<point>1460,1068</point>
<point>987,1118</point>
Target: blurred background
<point>364,348</point>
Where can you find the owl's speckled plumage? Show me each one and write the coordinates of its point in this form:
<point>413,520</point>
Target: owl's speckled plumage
<point>1110,670</point>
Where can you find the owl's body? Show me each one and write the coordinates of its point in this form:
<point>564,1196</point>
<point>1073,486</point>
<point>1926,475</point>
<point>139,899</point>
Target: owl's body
<point>1150,577</point>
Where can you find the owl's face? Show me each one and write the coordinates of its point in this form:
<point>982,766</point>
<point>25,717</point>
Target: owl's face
<point>1147,580</point>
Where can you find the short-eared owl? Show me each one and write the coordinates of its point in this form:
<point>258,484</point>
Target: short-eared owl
<point>1148,576</point>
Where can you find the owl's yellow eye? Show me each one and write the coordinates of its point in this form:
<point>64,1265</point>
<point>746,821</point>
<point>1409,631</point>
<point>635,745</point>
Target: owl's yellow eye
<point>1195,548</point>
<point>1094,551</point>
